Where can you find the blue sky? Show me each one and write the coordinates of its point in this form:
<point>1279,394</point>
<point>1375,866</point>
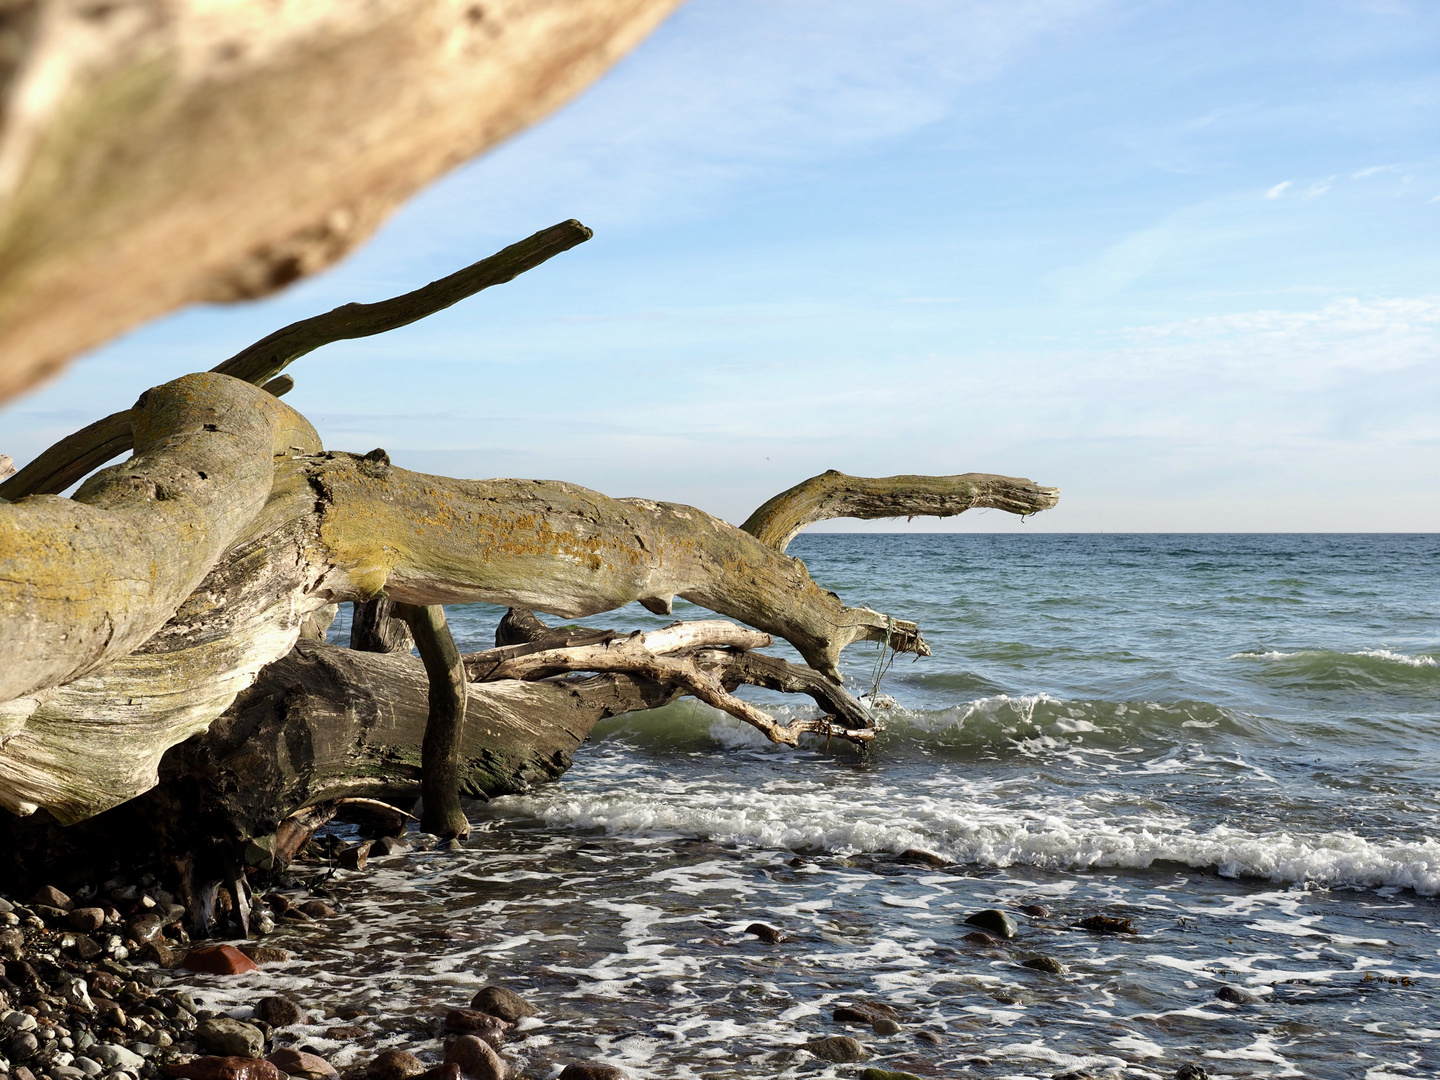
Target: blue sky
<point>1179,259</point>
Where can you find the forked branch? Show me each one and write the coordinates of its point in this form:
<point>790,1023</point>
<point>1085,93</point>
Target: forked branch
<point>693,657</point>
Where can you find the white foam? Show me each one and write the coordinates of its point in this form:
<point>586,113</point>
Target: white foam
<point>971,825</point>
<point>1419,661</point>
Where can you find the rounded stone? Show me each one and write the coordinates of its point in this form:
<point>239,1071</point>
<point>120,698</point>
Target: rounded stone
<point>1236,996</point>
<point>837,1048</point>
<point>298,1063</point>
<point>278,1011</point>
<point>480,1024</point>
<point>1046,963</point>
<point>506,1004</point>
<point>86,919</point>
<point>476,1059</point>
<point>993,921</point>
<point>591,1070</point>
<point>394,1065</point>
<point>230,1038</point>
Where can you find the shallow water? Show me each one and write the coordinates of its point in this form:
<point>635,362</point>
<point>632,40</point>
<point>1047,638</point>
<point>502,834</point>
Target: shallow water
<point>1232,741</point>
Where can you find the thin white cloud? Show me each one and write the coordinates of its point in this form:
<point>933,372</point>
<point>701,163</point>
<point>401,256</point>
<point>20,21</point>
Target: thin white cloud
<point>1361,174</point>
<point>1278,190</point>
<point>707,106</point>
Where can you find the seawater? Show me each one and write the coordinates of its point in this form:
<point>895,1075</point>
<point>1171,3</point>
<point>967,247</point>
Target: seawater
<point>1232,741</point>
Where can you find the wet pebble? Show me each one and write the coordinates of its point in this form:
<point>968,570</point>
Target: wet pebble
<point>304,1066</point>
<point>52,897</point>
<point>920,857</point>
<point>279,1011</point>
<point>765,933</point>
<point>1190,1071</point>
<point>476,1058</point>
<point>265,954</point>
<point>219,960</point>
<point>1035,911</point>
<point>394,1065</point>
<point>506,1004</point>
<point>590,1070</point>
<point>930,1038</point>
<point>1107,924</point>
<point>222,1068</point>
<point>993,921</point>
<point>837,1048</point>
<point>345,1032</point>
<point>318,909</point>
<point>230,1038</point>
<point>976,937</point>
<point>480,1024</point>
<point>86,919</point>
<point>389,845</point>
<point>1046,963</point>
<point>885,1026</point>
<point>1236,996</point>
<point>873,1073</point>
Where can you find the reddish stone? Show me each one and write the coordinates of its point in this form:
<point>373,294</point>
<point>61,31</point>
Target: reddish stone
<point>345,1031</point>
<point>299,1063</point>
<point>222,1068</point>
<point>476,1059</point>
<point>87,919</point>
<point>443,1072</point>
<point>219,960</point>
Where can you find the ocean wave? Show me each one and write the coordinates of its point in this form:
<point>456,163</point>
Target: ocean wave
<point>1364,671</point>
<point>1022,723</point>
<point>808,816</point>
<point>1421,660</point>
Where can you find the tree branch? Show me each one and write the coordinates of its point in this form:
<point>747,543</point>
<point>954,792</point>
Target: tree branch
<point>651,656</point>
<point>440,751</point>
<point>833,494</point>
<point>87,449</point>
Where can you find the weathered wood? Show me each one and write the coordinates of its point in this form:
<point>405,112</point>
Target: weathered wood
<point>833,494</point>
<point>446,696</point>
<point>272,354</point>
<point>372,629</point>
<point>159,153</point>
<point>78,454</point>
<point>732,666</point>
<point>85,581</point>
<point>326,723</point>
<point>634,656</point>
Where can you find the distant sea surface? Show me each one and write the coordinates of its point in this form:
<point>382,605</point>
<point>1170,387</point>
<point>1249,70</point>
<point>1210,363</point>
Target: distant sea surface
<point>1231,741</point>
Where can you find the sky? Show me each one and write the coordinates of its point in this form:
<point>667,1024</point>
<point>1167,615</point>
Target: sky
<point>1177,259</point>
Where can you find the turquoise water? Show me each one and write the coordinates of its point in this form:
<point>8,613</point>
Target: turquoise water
<point>1231,741</point>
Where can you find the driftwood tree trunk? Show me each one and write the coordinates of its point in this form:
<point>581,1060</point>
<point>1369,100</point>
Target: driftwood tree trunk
<point>137,616</point>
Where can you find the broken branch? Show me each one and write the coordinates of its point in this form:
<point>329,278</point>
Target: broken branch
<point>833,494</point>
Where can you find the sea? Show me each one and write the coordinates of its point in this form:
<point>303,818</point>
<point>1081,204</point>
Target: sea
<point>1227,744</point>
